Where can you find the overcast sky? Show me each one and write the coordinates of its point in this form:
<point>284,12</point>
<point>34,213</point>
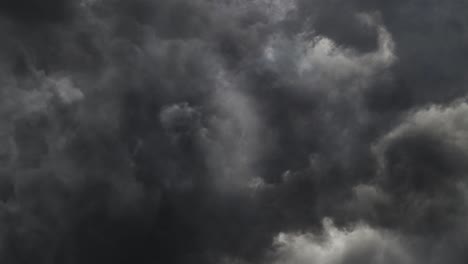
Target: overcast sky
<point>233,131</point>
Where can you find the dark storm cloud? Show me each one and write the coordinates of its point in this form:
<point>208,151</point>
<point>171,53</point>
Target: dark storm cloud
<point>423,169</point>
<point>431,39</point>
<point>227,131</point>
<point>341,21</point>
<point>35,12</point>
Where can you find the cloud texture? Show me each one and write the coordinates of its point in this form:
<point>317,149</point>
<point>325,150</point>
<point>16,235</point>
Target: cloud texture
<point>233,131</point>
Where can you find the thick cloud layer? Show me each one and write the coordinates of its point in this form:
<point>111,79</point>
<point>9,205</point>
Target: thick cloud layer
<point>219,131</point>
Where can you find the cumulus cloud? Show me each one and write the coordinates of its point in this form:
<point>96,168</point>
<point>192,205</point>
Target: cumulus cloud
<point>358,244</point>
<point>421,164</point>
<point>445,122</point>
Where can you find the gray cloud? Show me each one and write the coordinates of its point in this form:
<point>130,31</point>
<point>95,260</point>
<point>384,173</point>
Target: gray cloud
<point>226,131</point>
<point>360,244</point>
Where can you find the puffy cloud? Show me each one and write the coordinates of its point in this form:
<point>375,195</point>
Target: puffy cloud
<point>358,244</point>
<point>422,166</point>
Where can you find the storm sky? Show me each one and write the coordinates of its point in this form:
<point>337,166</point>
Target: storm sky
<point>233,131</point>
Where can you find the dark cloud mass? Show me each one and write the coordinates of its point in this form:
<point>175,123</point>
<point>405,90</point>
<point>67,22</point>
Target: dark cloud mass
<point>36,11</point>
<point>233,132</point>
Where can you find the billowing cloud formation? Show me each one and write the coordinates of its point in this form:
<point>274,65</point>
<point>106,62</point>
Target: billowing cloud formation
<point>209,131</point>
<point>362,244</point>
<point>422,164</point>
